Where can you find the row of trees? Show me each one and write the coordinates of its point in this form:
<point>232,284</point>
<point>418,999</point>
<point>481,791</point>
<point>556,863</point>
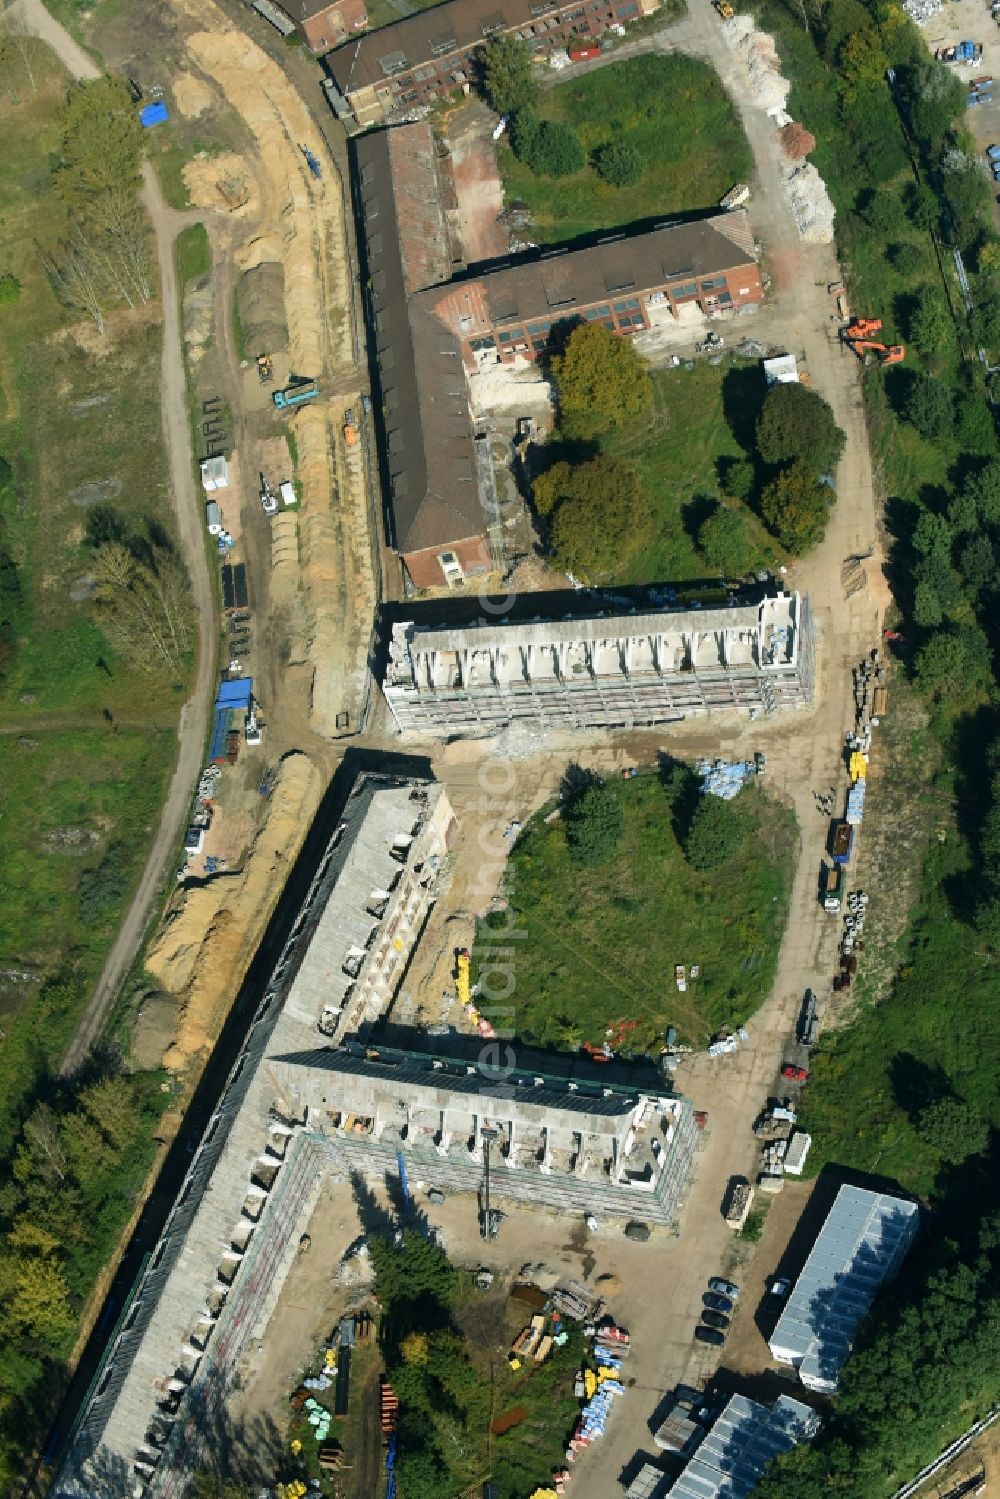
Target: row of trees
<point>81,1158</point>
<point>104,255</point>
<point>142,598</point>
<point>929,1355</point>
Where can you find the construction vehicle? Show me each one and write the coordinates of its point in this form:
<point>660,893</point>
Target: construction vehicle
<point>268,499</point>
<point>296,393</point>
<point>350,429</point>
<point>842,844</point>
<point>490,1218</point>
<point>463,963</point>
<point>967,52</point>
<point>858,335</point>
<point>311,162</point>
<point>265,369</point>
<point>254,730</point>
<point>724,9</point>
<point>832,887</point>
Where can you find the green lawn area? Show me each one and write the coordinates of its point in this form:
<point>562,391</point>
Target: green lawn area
<point>600,944</point>
<point>194,253</point>
<point>672,110</point>
<point>675,448</point>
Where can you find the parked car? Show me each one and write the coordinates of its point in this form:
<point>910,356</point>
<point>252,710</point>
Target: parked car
<point>795,1073</point>
<point>724,1287</point>
<point>993,152</point>
<point>717,1303</point>
<point>779,1290</point>
<point>715,1319</point>
<point>709,1335</point>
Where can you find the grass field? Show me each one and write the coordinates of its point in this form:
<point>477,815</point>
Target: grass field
<point>88,742</point>
<point>694,421</point>
<point>600,945</point>
<point>672,110</point>
<point>194,253</point>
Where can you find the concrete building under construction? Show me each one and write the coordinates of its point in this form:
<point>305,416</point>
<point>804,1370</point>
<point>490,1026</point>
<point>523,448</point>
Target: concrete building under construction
<point>318,1092</point>
<point>600,671</point>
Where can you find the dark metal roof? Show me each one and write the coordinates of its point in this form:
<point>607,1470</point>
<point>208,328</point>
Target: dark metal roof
<point>430,449</point>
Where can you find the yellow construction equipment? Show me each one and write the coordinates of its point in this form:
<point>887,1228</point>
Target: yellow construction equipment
<point>724,8</point>
<point>462,976</point>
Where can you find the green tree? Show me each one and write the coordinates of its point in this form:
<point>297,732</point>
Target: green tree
<point>717,832</point>
<point>102,143</point>
<point>930,323</point>
<point>982,490</point>
<point>601,380</point>
<point>738,479</point>
<point>619,163</point>
<point>927,610</point>
<point>796,423</point>
<point>966,192</point>
<point>929,406</point>
<point>954,1129</point>
<point>10,288</point>
<point>523,134</point>
<point>554,150</point>
<point>863,65</point>
<point>933,97</point>
<point>723,541</point>
<point>954,664</point>
<point>507,72</point>
<point>796,506</point>
<point>598,514</point>
<point>985,319</point>
<point>594,823</point>
<point>411,1272</point>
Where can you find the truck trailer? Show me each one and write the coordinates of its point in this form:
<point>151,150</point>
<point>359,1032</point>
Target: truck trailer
<point>842,843</point>
<point>832,887</point>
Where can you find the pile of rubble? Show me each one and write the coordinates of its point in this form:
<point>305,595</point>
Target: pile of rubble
<point>921,11</point>
<point>810,203</point>
<point>796,141</point>
<point>759,57</point>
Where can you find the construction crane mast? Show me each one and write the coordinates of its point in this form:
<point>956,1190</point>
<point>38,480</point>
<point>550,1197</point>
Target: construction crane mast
<point>489,1218</point>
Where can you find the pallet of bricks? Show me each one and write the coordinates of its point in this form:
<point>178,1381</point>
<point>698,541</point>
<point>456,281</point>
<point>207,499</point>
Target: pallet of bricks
<point>388,1406</point>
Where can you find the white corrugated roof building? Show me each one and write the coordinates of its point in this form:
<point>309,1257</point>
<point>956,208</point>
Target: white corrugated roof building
<point>860,1246</point>
<point>739,1445</point>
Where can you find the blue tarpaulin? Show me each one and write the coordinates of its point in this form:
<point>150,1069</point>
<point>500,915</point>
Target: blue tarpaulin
<point>153,114</point>
<point>235,694</point>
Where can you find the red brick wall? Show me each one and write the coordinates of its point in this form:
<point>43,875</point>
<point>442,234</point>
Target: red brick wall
<point>473,554</point>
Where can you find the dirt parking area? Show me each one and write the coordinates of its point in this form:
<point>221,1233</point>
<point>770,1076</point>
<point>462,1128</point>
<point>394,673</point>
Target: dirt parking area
<point>478,187</point>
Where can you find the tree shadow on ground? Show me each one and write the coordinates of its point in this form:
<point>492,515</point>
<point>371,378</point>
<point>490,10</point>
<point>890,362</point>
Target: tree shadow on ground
<point>695,512</point>
<point>743,392</point>
<point>683,790</point>
<point>373,1217</point>
<point>915,1084</point>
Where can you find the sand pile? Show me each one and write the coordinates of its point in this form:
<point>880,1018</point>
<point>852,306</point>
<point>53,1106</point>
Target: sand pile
<point>192,95</point>
<point>206,944</point>
<point>220,182</point>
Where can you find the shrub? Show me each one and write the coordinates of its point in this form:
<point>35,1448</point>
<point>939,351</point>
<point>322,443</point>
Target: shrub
<point>619,164</point>
<point>555,151</point>
<point>738,479</point>
<point>10,288</point>
<point>718,831</point>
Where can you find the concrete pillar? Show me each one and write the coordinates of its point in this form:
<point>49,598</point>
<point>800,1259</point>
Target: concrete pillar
<point>725,647</point>
<point>561,650</point>
<point>508,1159</point>
<point>546,1166</point>
<point>692,644</point>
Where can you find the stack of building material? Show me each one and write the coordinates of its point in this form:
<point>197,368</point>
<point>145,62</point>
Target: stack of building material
<point>856,803</point>
<point>574,1300</point>
<point>724,778</point>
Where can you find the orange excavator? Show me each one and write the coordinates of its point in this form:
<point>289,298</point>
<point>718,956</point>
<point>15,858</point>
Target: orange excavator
<point>858,336</point>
